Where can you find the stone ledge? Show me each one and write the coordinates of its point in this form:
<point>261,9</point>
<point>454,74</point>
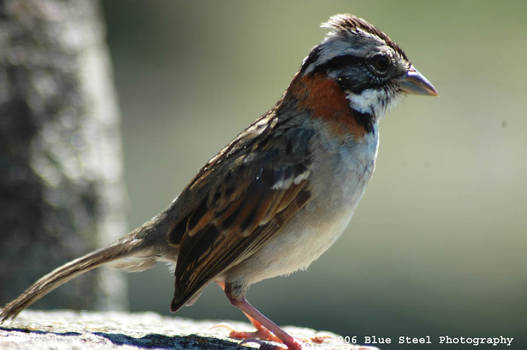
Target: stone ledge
<point>126,331</point>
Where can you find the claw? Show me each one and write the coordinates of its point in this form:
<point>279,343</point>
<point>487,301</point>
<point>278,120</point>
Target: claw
<point>260,333</point>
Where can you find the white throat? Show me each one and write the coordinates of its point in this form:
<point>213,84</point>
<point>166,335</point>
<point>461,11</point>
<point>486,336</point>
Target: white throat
<point>373,101</point>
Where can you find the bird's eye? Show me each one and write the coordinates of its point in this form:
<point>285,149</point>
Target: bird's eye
<point>380,63</point>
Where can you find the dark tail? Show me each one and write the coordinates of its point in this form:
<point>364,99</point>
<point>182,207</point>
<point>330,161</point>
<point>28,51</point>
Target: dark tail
<point>124,248</point>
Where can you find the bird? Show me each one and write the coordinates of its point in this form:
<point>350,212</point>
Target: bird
<point>282,192</point>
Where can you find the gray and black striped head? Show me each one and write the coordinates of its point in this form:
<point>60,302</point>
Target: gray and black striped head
<point>371,68</point>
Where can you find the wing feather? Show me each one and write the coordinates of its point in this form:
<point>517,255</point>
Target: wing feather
<point>247,195</point>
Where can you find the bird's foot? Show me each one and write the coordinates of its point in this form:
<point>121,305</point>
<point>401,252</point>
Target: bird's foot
<point>261,336</point>
<point>261,333</point>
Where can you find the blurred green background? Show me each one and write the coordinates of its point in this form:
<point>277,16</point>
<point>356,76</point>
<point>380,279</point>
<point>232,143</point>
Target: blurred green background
<point>437,246</point>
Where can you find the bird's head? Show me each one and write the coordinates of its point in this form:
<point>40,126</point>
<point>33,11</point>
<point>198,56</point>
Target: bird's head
<point>370,68</point>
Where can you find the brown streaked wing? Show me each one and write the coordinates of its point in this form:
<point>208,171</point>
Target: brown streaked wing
<point>252,209</point>
<point>202,191</point>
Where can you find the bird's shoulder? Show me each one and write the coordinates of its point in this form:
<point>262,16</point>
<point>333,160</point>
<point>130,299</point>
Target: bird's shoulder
<point>271,154</point>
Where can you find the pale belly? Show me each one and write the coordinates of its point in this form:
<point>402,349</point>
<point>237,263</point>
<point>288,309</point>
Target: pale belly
<point>317,226</point>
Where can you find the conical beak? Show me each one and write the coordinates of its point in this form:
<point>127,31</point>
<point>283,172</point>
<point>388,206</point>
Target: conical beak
<point>416,84</point>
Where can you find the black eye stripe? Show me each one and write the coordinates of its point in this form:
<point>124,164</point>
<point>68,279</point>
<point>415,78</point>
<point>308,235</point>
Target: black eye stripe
<point>339,62</point>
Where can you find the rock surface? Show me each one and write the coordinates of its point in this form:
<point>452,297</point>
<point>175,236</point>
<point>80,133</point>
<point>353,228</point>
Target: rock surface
<point>117,330</point>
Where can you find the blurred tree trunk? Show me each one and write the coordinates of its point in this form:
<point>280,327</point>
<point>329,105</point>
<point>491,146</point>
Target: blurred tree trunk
<point>61,193</point>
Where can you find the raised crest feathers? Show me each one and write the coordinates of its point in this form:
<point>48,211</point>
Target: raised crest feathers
<point>346,24</point>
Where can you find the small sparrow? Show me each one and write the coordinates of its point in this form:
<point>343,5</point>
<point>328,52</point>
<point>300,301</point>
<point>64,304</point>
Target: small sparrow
<point>282,192</point>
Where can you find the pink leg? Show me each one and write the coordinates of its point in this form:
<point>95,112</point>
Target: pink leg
<point>261,332</point>
<point>258,319</point>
